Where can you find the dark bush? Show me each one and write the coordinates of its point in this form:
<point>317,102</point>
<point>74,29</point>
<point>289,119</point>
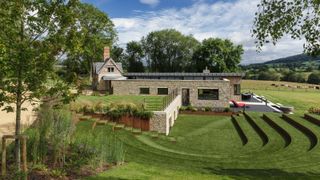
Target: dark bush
<point>314,78</point>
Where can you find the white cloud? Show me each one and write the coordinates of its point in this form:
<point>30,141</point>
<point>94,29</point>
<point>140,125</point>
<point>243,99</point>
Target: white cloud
<point>232,20</point>
<point>152,3</point>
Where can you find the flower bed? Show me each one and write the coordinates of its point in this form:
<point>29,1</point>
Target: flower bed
<point>128,114</point>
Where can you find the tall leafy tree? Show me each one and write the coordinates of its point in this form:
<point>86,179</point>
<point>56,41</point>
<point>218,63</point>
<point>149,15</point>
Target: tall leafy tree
<point>92,31</point>
<point>134,55</point>
<point>118,55</point>
<point>218,55</point>
<point>168,50</point>
<point>296,18</point>
<point>32,36</point>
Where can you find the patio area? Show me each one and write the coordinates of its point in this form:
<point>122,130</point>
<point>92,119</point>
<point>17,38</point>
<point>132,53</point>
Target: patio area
<point>257,104</point>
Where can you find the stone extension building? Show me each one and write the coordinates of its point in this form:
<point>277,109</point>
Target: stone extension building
<point>205,89</point>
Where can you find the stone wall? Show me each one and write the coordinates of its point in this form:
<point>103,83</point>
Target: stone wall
<point>132,87</point>
<point>163,120</point>
<point>233,81</point>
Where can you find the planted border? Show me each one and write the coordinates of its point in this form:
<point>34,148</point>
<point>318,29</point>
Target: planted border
<point>283,133</point>
<point>263,136</point>
<point>236,125</point>
<point>312,119</point>
<point>311,136</point>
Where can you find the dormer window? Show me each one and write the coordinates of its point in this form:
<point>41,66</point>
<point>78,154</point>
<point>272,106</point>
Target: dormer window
<point>110,69</point>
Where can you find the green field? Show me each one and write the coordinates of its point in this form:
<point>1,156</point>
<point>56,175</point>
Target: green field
<point>300,99</point>
<point>152,103</point>
<point>209,147</point>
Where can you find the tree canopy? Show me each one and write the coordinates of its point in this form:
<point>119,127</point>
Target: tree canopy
<point>33,35</point>
<point>134,55</point>
<point>168,50</point>
<point>296,18</point>
<point>86,39</point>
<point>217,55</point>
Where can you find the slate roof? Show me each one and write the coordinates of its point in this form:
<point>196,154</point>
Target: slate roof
<point>184,74</point>
<point>98,65</point>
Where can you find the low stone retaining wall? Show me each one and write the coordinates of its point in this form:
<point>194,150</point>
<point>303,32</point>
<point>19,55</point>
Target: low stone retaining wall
<point>163,120</point>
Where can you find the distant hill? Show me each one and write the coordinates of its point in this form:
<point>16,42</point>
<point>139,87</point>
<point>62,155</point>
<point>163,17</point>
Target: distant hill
<point>300,58</point>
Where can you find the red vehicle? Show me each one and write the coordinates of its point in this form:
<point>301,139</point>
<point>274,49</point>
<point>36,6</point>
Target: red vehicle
<point>238,104</point>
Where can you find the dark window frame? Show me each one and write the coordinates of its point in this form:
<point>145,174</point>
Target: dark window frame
<point>237,89</point>
<point>163,93</point>
<point>144,88</point>
<point>110,69</point>
<point>208,94</point>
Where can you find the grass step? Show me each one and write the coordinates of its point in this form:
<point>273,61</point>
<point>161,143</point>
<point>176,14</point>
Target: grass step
<point>282,132</point>
<point>276,141</point>
<point>305,130</point>
<point>239,130</point>
<point>263,136</point>
<point>299,142</point>
<point>254,141</point>
<point>314,128</point>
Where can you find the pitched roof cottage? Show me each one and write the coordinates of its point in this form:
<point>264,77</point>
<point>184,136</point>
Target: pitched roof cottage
<point>104,72</point>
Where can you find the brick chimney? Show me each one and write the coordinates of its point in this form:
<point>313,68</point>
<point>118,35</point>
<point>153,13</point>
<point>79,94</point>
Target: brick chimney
<point>106,53</point>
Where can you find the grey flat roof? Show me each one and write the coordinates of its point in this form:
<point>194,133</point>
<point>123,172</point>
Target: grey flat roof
<point>185,74</point>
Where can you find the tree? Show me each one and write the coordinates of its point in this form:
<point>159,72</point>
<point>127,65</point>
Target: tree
<point>292,76</point>
<point>168,50</point>
<point>134,55</point>
<point>217,55</point>
<point>32,35</point>
<point>269,75</point>
<point>118,55</point>
<point>92,31</point>
<point>314,78</point>
<point>297,18</point>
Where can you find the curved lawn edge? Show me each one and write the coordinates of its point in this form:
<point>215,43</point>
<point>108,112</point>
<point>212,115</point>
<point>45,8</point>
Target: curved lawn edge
<point>263,136</point>
<point>239,130</point>
<point>306,131</point>
<point>283,133</point>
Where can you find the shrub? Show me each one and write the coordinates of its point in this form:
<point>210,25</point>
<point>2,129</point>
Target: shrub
<point>191,108</point>
<point>207,109</point>
<point>98,107</point>
<point>314,110</point>
<point>76,107</point>
<point>95,93</point>
<point>87,108</point>
<point>183,108</point>
<point>314,78</point>
<point>51,134</point>
<point>143,114</point>
<point>227,109</point>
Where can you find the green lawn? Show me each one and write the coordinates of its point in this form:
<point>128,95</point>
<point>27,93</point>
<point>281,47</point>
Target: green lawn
<point>209,147</point>
<point>152,102</point>
<point>300,99</point>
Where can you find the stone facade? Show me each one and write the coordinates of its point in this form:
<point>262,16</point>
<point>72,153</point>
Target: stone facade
<point>132,87</point>
<point>234,81</point>
<point>163,120</point>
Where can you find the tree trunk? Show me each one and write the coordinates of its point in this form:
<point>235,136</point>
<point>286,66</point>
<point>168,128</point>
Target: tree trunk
<point>19,95</point>
<point>18,128</point>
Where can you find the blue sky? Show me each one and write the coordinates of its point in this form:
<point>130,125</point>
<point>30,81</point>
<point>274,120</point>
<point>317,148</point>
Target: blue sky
<point>230,19</point>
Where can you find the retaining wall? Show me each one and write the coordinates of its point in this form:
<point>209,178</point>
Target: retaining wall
<point>162,121</point>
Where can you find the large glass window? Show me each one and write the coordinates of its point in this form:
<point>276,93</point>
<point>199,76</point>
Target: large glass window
<point>162,91</point>
<point>144,90</point>
<point>237,89</point>
<point>208,94</point>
